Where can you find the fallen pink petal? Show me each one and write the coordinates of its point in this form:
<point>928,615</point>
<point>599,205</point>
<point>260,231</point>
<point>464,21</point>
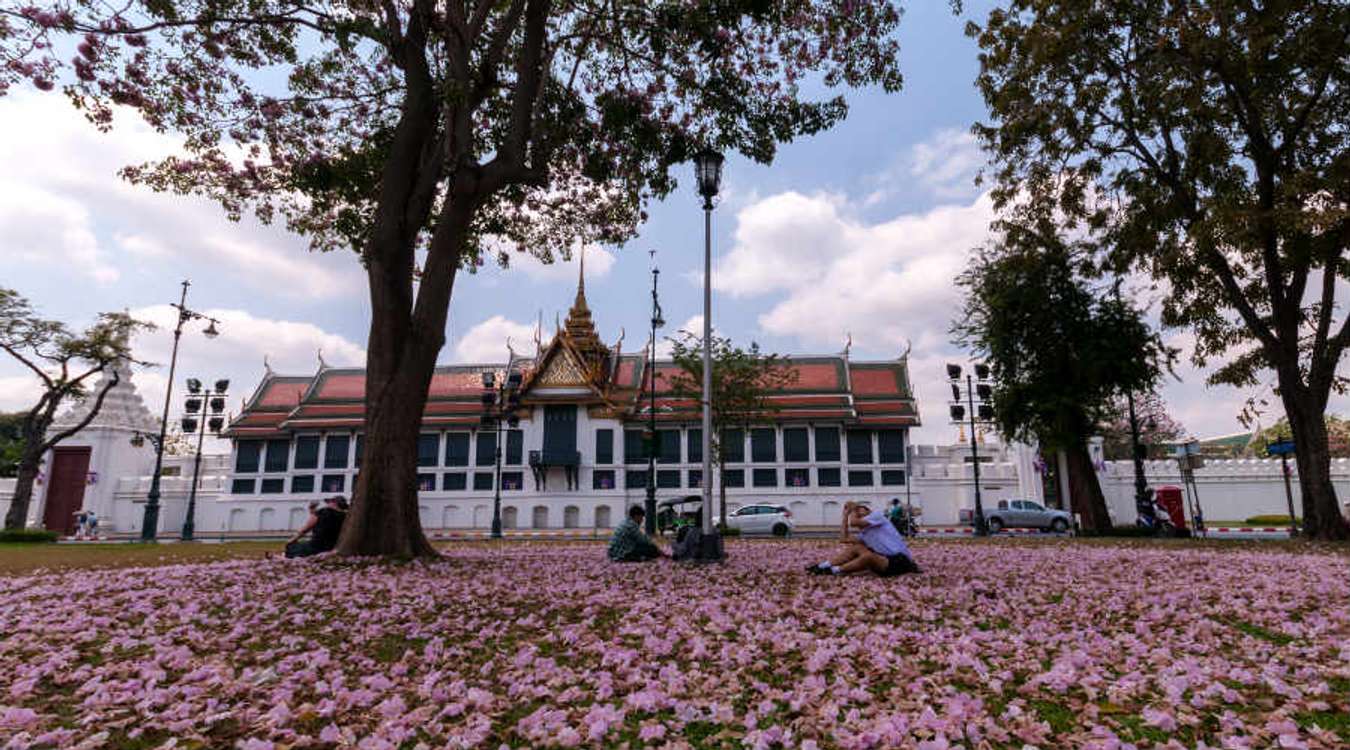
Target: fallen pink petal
<point>1047,645</point>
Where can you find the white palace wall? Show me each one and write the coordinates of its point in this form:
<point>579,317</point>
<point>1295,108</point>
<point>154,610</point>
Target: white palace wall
<point>942,483</point>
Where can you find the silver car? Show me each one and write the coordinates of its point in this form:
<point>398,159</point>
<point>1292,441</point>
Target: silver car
<point>762,518</point>
<point>1026,514</point>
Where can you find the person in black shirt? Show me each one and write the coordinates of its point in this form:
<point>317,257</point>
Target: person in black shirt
<point>323,526</point>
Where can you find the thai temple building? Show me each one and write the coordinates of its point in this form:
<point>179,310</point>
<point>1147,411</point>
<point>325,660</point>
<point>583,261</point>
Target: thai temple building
<point>576,458</point>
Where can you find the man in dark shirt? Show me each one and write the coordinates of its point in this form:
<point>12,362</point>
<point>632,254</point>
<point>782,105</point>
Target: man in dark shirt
<point>323,526</point>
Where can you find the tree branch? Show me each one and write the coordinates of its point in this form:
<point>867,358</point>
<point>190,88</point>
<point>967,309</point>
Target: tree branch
<point>93,412</point>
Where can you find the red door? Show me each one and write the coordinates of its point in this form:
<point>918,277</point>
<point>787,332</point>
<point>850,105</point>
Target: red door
<point>65,493</point>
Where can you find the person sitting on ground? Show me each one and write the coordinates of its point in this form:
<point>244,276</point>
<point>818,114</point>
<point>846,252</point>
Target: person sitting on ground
<point>324,526</point>
<point>877,547</point>
<point>629,543</point>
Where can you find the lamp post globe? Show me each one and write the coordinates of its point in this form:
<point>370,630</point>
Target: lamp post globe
<point>708,172</point>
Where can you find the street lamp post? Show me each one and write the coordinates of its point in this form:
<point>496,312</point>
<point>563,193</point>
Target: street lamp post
<point>984,410</point>
<point>500,399</point>
<point>657,322</point>
<point>708,171</point>
<point>211,405</point>
<point>150,523</point>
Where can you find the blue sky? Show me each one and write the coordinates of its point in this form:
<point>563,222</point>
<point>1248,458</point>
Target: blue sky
<point>857,231</point>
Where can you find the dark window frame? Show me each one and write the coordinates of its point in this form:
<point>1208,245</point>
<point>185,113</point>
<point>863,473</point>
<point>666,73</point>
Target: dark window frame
<point>856,440</point>
<point>599,474</point>
<point>484,449</point>
<point>797,471</point>
<point>244,450</point>
<point>828,445</point>
<point>515,448</point>
<point>733,478</point>
<point>892,477</point>
<point>758,445</point>
<point>762,477</point>
<point>306,452</point>
<point>454,441</point>
<point>891,446</point>
<point>454,481</point>
<point>796,444</point>
<point>237,487</point>
<point>733,446</point>
<point>332,459</point>
<point>854,475</point>
<point>302,484</point>
<point>604,446</point>
<point>271,467</point>
<point>829,476</point>
<point>428,449</point>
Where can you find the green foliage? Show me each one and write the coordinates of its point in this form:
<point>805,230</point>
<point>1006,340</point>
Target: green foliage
<point>1271,520</point>
<point>742,381</point>
<point>11,442</point>
<point>1061,350</point>
<point>27,536</point>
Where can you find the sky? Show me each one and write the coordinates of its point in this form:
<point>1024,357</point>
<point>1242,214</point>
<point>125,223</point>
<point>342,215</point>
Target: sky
<point>854,234</point>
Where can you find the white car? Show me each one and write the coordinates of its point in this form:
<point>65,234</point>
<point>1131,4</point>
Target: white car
<point>762,519</point>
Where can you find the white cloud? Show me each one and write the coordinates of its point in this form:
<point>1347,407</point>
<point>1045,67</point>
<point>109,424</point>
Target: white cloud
<point>42,227</point>
<point>665,345</point>
<point>599,263</point>
<point>62,206</point>
<point>291,348</point>
<point>19,392</point>
<point>943,167</point>
<point>486,342</point>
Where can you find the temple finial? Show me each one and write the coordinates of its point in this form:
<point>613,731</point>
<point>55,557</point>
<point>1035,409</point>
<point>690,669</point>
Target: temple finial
<point>581,280</point>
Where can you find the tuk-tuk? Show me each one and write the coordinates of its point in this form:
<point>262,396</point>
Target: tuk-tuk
<point>678,513</point>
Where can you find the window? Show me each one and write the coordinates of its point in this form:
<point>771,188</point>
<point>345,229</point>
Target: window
<point>278,455</point>
<point>604,447</point>
<point>454,481</point>
<point>891,446</point>
<point>482,480</point>
<point>428,445</point>
<point>485,451</point>
<point>827,477</point>
<point>456,449</point>
<point>860,478</point>
<point>334,483</point>
<point>733,478</point>
<point>307,452</point>
<point>859,447</point>
<point>515,448</point>
<point>360,449</point>
<point>602,479</point>
<point>695,445</point>
<point>797,477</point>
<point>667,479</point>
<point>512,480</point>
<point>795,444</point>
<point>733,446</point>
<point>763,445</point>
<point>668,447</point>
<point>827,443</point>
<point>302,484</point>
<point>765,478</point>
<point>695,478</point>
<point>335,452</point>
<point>426,482</point>
<point>273,486</point>
<point>246,454</point>
<point>635,479</point>
<point>242,487</point>
<point>632,447</point>
<point>892,477</point>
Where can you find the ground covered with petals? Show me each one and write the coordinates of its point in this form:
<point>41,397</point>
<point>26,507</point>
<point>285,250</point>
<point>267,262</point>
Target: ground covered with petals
<point>537,645</point>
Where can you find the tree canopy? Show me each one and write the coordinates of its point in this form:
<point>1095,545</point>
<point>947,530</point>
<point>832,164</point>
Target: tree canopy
<point>429,137</point>
<point>1206,143</point>
<point>1061,349</point>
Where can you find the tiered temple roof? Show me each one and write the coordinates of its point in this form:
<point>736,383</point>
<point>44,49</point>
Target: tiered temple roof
<point>577,367</point>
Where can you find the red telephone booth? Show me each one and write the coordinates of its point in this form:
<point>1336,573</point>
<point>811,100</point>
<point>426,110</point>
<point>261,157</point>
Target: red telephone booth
<point>1169,498</point>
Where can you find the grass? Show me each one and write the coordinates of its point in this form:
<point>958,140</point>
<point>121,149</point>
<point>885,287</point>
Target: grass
<point>25,558</point>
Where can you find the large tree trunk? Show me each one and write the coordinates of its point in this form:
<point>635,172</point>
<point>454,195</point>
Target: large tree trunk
<point>1322,517</point>
<point>1085,491</point>
<point>31,461</point>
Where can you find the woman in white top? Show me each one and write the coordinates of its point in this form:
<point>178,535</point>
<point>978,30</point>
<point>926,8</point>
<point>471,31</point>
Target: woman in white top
<point>876,547</point>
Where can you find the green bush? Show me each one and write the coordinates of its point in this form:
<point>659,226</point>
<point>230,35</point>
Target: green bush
<point>28,536</point>
<point>1270,520</point>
